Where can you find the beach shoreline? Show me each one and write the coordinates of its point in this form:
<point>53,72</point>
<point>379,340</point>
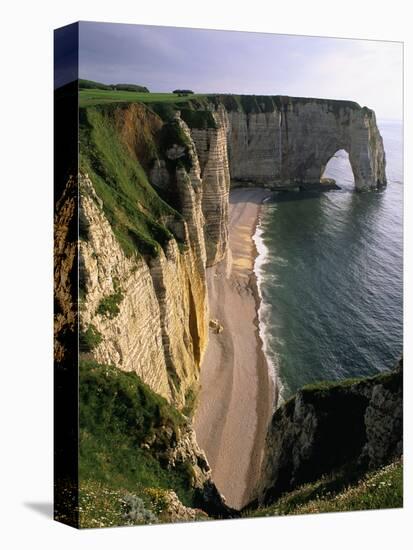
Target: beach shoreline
<point>238,393</point>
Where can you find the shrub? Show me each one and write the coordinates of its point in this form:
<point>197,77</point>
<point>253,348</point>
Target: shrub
<point>89,339</point>
<point>135,511</point>
<point>109,305</point>
<point>183,92</point>
<point>93,85</point>
<point>130,88</point>
<point>190,402</point>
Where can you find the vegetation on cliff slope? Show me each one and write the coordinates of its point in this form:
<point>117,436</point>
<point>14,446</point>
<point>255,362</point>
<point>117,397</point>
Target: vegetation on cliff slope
<point>103,506</point>
<point>89,339</point>
<point>109,305</point>
<point>125,432</point>
<point>379,489</point>
<point>131,205</point>
<point>140,216</point>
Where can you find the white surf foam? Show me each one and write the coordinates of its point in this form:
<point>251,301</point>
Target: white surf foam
<point>264,310</point>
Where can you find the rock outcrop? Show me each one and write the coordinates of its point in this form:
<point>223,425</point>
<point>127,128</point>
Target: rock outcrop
<point>146,313</point>
<point>326,427</point>
<point>183,449</point>
<point>174,511</point>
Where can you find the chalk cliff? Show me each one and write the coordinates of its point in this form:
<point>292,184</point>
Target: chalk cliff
<point>191,158</point>
<point>212,150</point>
<point>153,214</point>
<point>149,312</point>
<point>151,198</point>
<point>158,327</point>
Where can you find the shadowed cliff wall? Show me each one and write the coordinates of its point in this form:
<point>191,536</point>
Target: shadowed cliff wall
<point>329,426</point>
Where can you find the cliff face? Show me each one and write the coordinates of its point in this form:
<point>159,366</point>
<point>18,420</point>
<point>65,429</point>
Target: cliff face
<point>211,148</point>
<point>131,337</point>
<point>149,309</point>
<point>150,312</point>
<point>158,327</point>
<point>330,426</point>
<point>144,312</point>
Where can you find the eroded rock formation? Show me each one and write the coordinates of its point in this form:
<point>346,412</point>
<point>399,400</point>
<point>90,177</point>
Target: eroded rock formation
<point>285,141</point>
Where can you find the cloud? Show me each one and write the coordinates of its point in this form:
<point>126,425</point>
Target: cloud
<point>369,72</point>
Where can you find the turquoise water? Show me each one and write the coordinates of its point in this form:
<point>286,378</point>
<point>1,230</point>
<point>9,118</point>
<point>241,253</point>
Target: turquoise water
<point>330,275</point>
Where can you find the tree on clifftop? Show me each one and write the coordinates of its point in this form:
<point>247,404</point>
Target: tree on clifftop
<point>183,92</point>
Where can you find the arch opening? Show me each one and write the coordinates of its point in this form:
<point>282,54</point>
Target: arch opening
<point>339,169</point>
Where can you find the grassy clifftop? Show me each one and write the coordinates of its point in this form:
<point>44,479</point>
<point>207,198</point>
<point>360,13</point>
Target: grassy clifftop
<point>194,109</point>
<point>89,97</point>
<point>247,103</point>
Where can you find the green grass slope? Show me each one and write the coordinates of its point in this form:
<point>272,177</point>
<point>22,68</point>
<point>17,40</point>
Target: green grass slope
<point>134,209</point>
<point>380,489</point>
<point>132,206</point>
<point>119,417</point>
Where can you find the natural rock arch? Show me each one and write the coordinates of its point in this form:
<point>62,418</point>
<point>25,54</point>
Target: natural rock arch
<point>316,131</point>
<point>288,141</point>
<point>338,160</point>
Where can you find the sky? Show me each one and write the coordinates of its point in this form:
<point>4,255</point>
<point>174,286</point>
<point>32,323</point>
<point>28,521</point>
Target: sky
<point>207,61</point>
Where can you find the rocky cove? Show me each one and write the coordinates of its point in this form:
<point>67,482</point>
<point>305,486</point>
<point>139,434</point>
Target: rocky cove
<point>152,197</point>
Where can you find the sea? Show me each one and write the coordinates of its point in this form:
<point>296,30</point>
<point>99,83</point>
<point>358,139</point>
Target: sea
<point>330,276</point>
